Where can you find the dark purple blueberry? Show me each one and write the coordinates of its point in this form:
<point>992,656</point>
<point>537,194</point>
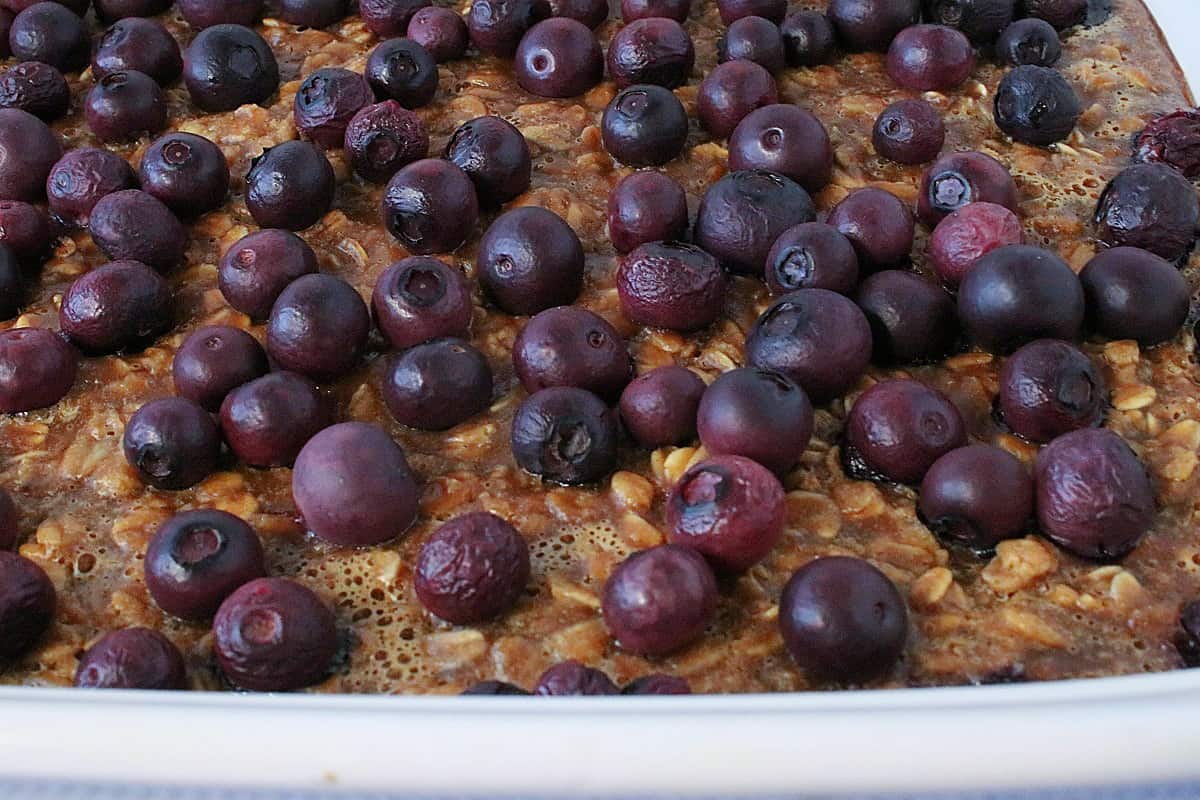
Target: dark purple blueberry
<point>52,34</point>
<point>496,688</point>
<point>419,299</point>
<point>977,496</point>
<point>930,58</point>
<point>495,156</point>
<point>77,7</point>
<point>1171,139</point>
<point>644,125</point>
<point>530,260</point>
<point>9,522</point>
<point>812,255</point>
<point>967,235</point>
<point>201,14</point>
<point>1061,14</point>
<point>313,13</point>
<point>677,10</point>
<point>227,66</point>
<point>6,21</point>
<point>878,224</point>
<point>1094,497</point>
<point>1150,206</point>
<point>27,603</point>
<point>187,172</point>
<point>25,228</point>
<point>1029,41</point>
<point>808,38</point>
<point>402,70</point>
<point>1018,293</point>
<point>758,414</point>
<point>318,327</point>
<point>899,428</point>
<point>571,346</point>
<point>131,225</point>
<point>37,88</point>
<point>81,177</point>
<point>120,306</point>
<point>144,45</point>
<point>198,558</point>
<point>981,20</point>
<point>565,435</point>
<point>120,9</point>
<point>1134,294</point>
<point>1187,639</point>
<point>12,293</point>
<point>912,319</point>
<point>133,658</point>
<point>646,207</point>
<point>957,179</point>
<point>753,39</point>
<point>215,360</point>
<point>430,206</point>
<point>1048,388</point>
<point>28,151</point>
<point>326,102</point>
<point>124,105</point>
<point>274,635</point>
<point>657,684</point>
<point>843,620</point>
<point>743,213</point>
<point>653,50</point>
<point>671,285</point>
<point>496,26</point>
<point>817,338</point>
<point>733,10</point>
<point>353,486</point>
<point>909,132</point>
<point>172,443</point>
<point>472,569</point>
<point>659,408</point>
<point>872,24</point>
<point>558,57</point>
<point>384,137</point>
<point>730,509</point>
<point>592,13</point>
<point>437,385</point>
<point>1036,105</point>
<point>259,266</point>
<point>570,678</point>
<point>290,186</point>
<point>37,369</point>
<point>269,419</point>
<point>786,139</point>
<point>730,92</point>
<point>388,18</point>
<point>660,600</point>
<point>441,31</point>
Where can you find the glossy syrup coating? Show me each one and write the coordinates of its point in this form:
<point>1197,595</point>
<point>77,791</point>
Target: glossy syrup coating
<point>757,414</point>
<point>421,298</point>
<point>132,658</point>
<point>659,600</point>
<point>1150,206</point>
<point>571,346</point>
<point>671,285</point>
<point>654,50</point>
<point>318,327</point>
<point>437,385</point>
<point>787,139</point>
<point>977,496</point>
<point>27,604</point>
<point>37,369</point>
<point>565,435</point>
<point>1050,387</point>
<point>529,260</point>
<point>172,443</point>
<point>267,420</point>
<point>743,213</point>
<point>967,235</point>
<point>213,361</point>
<point>899,428</point>
<point>471,569</point>
<point>659,407</point>
<point>259,266</point>
<point>812,255</point>
<point>430,206</point>
<point>644,207</point>
<point>79,179</point>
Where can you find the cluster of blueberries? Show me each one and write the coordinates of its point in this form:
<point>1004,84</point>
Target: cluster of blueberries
<point>841,618</point>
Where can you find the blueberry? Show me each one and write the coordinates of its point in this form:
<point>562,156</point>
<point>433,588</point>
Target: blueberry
<point>494,688</point>
<point>977,496</point>
<point>419,299</point>
<point>981,20</point>
<point>930,58</point>
<point>753,39</point>
<point>353,486</point>
<point>571,346</point>
<point>659,408</point>
<point>267,421</point>
<point>1036,105</point>
<point>437,385</point>
<point>812,255</point>
<point>912,320</point>
<point>570,678</point>
<point>1029,41</point>
<point>878,224</point>
<point>958,179</point>
<point>899,428</point>
<point>77,7</point>
<point>441,31</point>
<point>657,684</point>
<point>215,360</point>
<point>565,435</point>
<point>144,45</point>
<point>671,285</point>
<point>743,213</point>
<point>496,26</point>
<point>27,604</point>
<point>201,14</point>
<point>259,266</point>
<point>172,443</point>
<point>123,105</point>
<point>530,260</point>
<point>121,9</point>
<point>318,327</point>
<point>37,88</point>
<point>1059,13</point>
<point>187,172</point>
<point>37,369</point>
<point>198,558</point>
<point>730,92</point>
<point>872,24</point>
<point>313,13</point>
<point>786,139</point>
<point>733,10</point>
<point>132,658</point>
<point>382,138</point>
<point>1187,638</point>
<point>29,150</point>
<point>402,70</point>
<point>471,569</point>
<point>9,522</point>
<point>119,306</point>
<point>227,66</point>
<point>131,225</point>
<point>6,21</point>
<point>1150,206</point>
<point>430,206</point>
<point>558,57</point>
<point>1134,294</point>
<point>758,414</point>
<point>646,207</point>
<point>592,13</point>
<point>80,178</point>
<point>25,228</point>
<point>12,291</point>
<point>495,156</point>
<point>386,18</point>
<point>909,132</point>
<point>653,50</point>
<point>1048,388</point>
<point>1172,139</point>
<point>808,38</point>
<point>290,186</point>
<point>52,34</point>
<point>967,235</point>
<point>326,102</point>
<point>660,600</point>
<point>677,10</point>
<point>644,125</point>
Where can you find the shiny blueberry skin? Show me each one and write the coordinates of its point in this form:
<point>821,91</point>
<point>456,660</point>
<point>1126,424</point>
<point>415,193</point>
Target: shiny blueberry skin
<point>471,569</point>
<point>957,179</point>
<point>404,71</point>
<point>198,558</point>
<point>27,604</point>
<point>1048,388</point>
<point>132,658</point>
<point>37,88</point>
<point>274,635</point>
<point>12,289</point>
<point>657,683</point>
<point>1059,13</point>
<point>659,408</point>
<point>1150,206</point>
<point>123,105</point>
<point>138,44</point>
<point>653,50</point>
<point>1094,497</point>
<point>660,600</point>
<point>728,508</point>
<point>496,26</point>
<point>494,688</point>
<point>23,176</point>
<point>1029,41</point>
<point>172,443</point>
<point>290,186</point>
<point>786,139</point>
<point>259,266</point>
<point>119,9</point>
<point>909,132</point>
<point>530,260</point>
<point>313,13</point>
<point>899,428</point>
<point>981,20</point>
<point>419,299</point>
<point>843,620</point>
<point>644,125</point>
<point>646,207</point>
<point>1035,105</point>
<point>878,224</point>
<point>201,14</point>
<point>977,496</point>
<point>730,92</point>
<point>671,285</point>
<point>318,327</point>
<point>872,24</point>
<point>930,58</point>
<point>817,338</point>
<point>25,228</point>
<point>441,31</point>
<point>571,346</point>
<point>37,369</point>
<point>753,39</point>
<point>119,306</point>
<point>50,33</point>
<point>382,138</point>
<point>1134,294</point>
<point>187,172</point>
<point>808,38</point>
<point>215,360</point>
<point>812,255</point>
<point>227,66</point>
<point>353,486</point>
<point>132,225</point>
<point>81,177</point>
<point>387,18</point>
<point>743,213</point>
<point>437,385</point>
<point>733,10</point>
<point>495,156</point>
<point>1187,639</point>
<point>565,435</point>
<point>430,206</point>
<point>967,235</point>
<point>758,414</point>
<point>912,319</point>
<point>570,678</point>
<point>558,57</point>
<point>266,421</point>
<point>677,10</point>
<point>326,102</point>
<point>1018,293</point>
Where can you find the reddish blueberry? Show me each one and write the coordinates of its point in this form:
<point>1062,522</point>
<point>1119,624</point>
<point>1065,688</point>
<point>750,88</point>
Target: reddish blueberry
<point>659,408</point>
<point>977,496</point>
<point>909,132</point>
<point>472,569</point>
<point>671,285</point>
<point>571,346</point>
<point>878,224</point>
<point>436,385</point>
<point>646,207</point>
<point>898,428</point>
<point>969,234</point>
<point>131,225</point>
<point>37,369</point>
<point>119,306</point>
<point>81,177</point>
<point>318,327</point>
<point>266,421</point>
<point>27,605</point>
<point>441,31</point>
<point>132,658</point>
<point>259,266</point>
<point>758,414</point>
<point>215,360</point>
<point>1048,388</point>
<point>660,600</point>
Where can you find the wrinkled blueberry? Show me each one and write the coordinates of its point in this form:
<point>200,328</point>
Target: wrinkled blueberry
<point>653,50</point>
<point>430,206</point>
<point>402,70</point>
<point>677,10</point>
<point>28,150</point>
<point>558,57</point>
<point>172,443</point>
<point>201,14</point>
<point>386,18</point>
<point>268,420</point>
<point>144,45</point>
<point>1150,206</point>
<point>313,13</point>
<point>957,179</point>
<point>730,92</point>
<point>657,684</point>
<point>132,658</point>
<point>530,260</point>
<point>757,414</point>
<point>215,360</point>
<point>909,132</point>
<point>227,66</point>
<point>570,678</point>
<point>878,224</point>
<point>1029,41</point>
<point>259,266</point>
<point>37,369</point>
<point>37,88</point>
<point>899,428</point>
<point>659,408</point>
<point>437,385</point>
<point>930,58</point>
<point>646,207</point>
<point>571,346</point>
<point>27,604</point>
<point>967,235</point>
<point>131,225</point>
<point>1048,388</point>
<point>786,139</point>
<point>496,26</point>
<point>1134,294</point>
<point>981,20</point>
<point>326,102</point>
<point>753,39</point>
<point>565,435</point>
<point>1035,105</point>
<point>644,125</point>
<point>384,137</point>
<point>660,600</point>
<point>495,156</point>
<point>977,496</point>
<point>1172,139</point>
<point>81,177</point>
<point>186,172</point>
<point>290,186</point>
<point>120,306</point>
<point>26,229</point>
<point>419,299</point>
<point>912,319</point>
<point>318,327</point>
<point>52,34</point>
<point>471,569</point>
<point>872,24</point>
<point>812,255</point>
<point>808,38</point>
<point>671,285</point>
<point>743,213</point>
<point>441,31</point>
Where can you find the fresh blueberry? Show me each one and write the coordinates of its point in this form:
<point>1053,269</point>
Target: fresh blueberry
<point>227,66</point>
<point>1048,388</point>
<point>290,186</point>
<point>404,71</point>
<point>757,414</point>
<point>753,39</point>
<point>878,224</point>
<point>786,139</point>
<point>267,421</point>
<point>571,346</point>
<point>23,176</point>
<point>646,207</point>
<point>872,24</point>
<point>899,428</point>
<point>743,213</point>
<point>144,45</point>
<point>812,255</point>
<point>215,360</point>
<point>260,266</point>
<point>558,57</point>
<point>660,600</point>
<point>530,260</point>
<point>318,327</point>
<point>172,443</point>
<point>313,13</point>
<point>27,605</point>
<point>119,306</point>
<point>419,299</point>
<point>677,10</point>
<point>1134,294</point>
<point>912,319</point>
<point>132,658</point>
<point>659,408</point>
<point>37,369</point>
<point>52,34</point>
<point>436,385</point>
<point>1035,105</point>
<point>981,20</point>
<point>430,206</point>
<point>565,435</point>
<point>730,92</point>
<point>644,125</point>
<point>909,132</point>
<point>930,58</point>
<point>441,31</point>
<point>187,172</point>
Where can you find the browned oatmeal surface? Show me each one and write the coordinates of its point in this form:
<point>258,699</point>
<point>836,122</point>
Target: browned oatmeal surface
<point>1030,610</point>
